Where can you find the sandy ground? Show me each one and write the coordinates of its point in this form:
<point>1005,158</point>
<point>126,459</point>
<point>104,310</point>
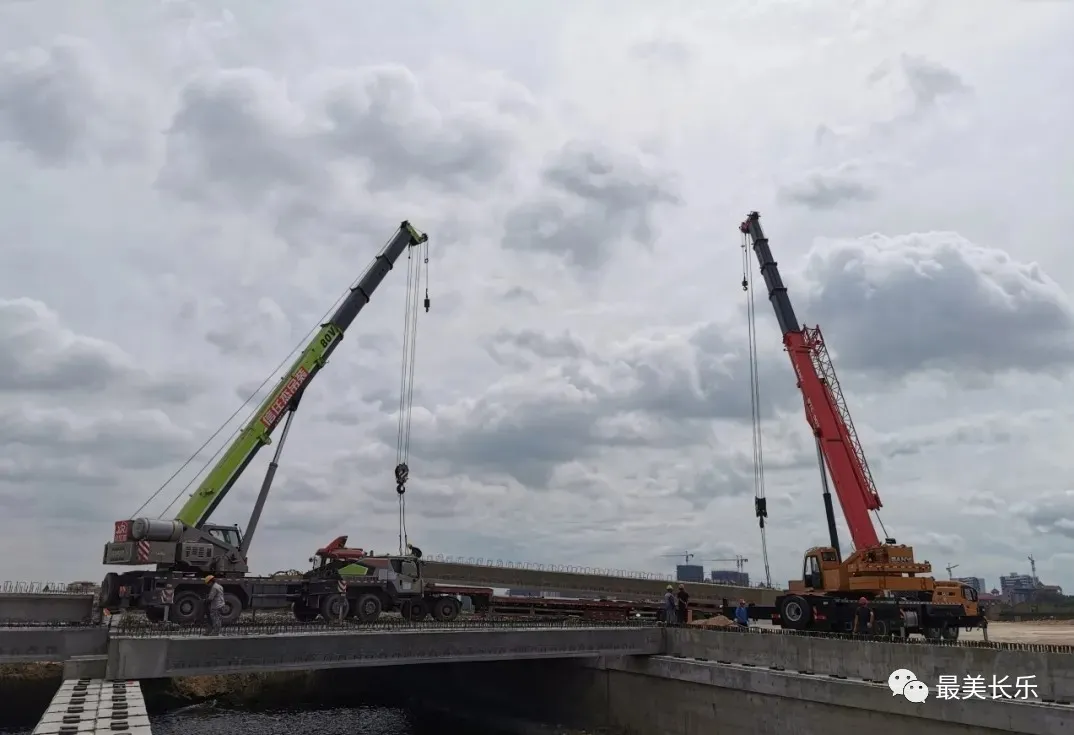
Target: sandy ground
<point>1056,632</point>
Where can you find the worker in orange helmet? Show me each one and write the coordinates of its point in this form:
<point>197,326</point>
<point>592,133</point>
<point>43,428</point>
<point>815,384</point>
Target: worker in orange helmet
<point>215,605</point>
<point>863,617</point>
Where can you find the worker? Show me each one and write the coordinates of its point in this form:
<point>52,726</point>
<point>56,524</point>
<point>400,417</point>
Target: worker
<point>669,605</point>
<point>863,617</point>
<point>215,605</point>
<point>684,599</point>
<point>742,614</point>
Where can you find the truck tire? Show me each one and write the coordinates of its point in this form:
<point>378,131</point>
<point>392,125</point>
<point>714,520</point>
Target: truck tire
<point>302,613</point>
<point>795,612</point>
<point>334,607</point>
<point>154,614</point>
<point>188,608</point>
<point>950,633</point>
<point>446,609</point>
<point>232,609</point>
<point>414,610</point>
<point>368,608</point>
<point>881,628</point>
<point>933,634</point>
<point>110,590</point>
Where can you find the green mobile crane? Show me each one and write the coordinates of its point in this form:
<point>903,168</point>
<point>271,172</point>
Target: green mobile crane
<point>188,547</point>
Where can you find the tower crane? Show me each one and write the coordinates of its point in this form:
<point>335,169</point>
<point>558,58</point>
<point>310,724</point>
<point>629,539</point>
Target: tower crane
<point>904,595</point>
<point>684,555</point>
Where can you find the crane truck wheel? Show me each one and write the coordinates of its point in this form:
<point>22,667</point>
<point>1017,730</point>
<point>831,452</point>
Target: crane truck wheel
<point>302,613</point>
<point>950,633</point>
<point>188,608</point>
<point>154,614</point>
<point>368,608</point>
<point>110,590</point>
<point>445,609</point>
<point>881,628</point>
<point>334,607</point>
<point>795,612</point>
<point>414,610</point>
<point>232,609</point>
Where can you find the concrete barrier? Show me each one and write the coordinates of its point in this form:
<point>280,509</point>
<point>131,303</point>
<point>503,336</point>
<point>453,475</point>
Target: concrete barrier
<point>478,575</point>
<point>161,657</point>
<point>46,608</point>
<point>25,645</point>
<point>1053,673</point>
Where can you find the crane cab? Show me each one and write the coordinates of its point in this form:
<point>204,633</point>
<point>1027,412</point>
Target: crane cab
<point>951,592</point>
<point>230,535</point>
<point>822,571</point>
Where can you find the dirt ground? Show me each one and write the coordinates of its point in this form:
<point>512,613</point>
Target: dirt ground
<point>1057,632</point>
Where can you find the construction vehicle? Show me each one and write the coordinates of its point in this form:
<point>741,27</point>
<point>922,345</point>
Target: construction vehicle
<point>904,596</point>
<point>187,547</point>
<point>375,584</point>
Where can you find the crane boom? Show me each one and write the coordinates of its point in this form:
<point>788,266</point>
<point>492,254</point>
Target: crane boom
<point>189,542</point>
<point>825,407</point>
<point>257,433</point>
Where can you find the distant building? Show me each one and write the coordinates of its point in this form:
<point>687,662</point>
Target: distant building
<point>977,583</point>
<point>690,573</point>
<point>731,577</point>
<point>1017,588</point>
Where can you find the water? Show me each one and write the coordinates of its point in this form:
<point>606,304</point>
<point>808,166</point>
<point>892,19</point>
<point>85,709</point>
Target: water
<point>371,720</point>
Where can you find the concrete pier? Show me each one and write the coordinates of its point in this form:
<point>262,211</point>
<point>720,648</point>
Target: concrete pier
<point>87,706</point>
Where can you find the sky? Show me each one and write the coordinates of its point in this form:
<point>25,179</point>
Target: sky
<point>188,187</point>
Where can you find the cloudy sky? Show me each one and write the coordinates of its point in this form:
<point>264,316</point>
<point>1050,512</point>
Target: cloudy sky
<point>188,186</point>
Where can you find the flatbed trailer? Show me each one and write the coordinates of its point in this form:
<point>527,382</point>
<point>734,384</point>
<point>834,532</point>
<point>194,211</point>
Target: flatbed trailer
<point>487,603</point>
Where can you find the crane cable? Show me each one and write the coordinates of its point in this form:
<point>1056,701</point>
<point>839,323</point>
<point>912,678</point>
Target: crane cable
<point>406,380</point>
<point>760,502</point>
<point>302,342</point>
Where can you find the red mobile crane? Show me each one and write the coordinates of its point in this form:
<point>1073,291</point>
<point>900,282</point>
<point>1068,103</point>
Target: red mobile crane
<point>905,598</point>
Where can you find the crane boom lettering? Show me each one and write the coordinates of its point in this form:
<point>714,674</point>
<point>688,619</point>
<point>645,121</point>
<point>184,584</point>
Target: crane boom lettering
<point>288,391</point>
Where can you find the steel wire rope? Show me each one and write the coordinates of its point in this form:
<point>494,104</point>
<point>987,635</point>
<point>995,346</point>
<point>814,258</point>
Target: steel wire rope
<point>302,342</point>
<point>755,406</point>
<point>406,382</point>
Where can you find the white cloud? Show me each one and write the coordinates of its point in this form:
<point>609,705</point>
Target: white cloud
<point>186,200</point>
